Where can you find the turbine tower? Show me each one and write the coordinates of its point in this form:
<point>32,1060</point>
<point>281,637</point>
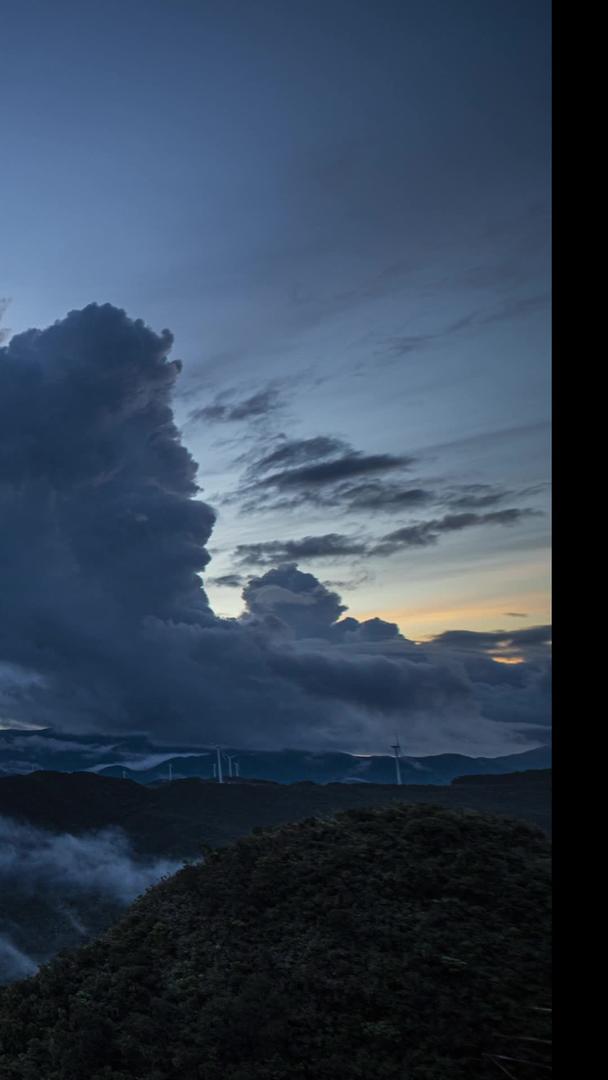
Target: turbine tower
<point>230,758</point>
<point>220,776</point>
<point>397,752</point>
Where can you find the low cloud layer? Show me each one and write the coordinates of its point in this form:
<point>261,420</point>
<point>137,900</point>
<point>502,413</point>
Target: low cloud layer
<point>106,625</point>
<point>57,890</point>
<point>99,863</point>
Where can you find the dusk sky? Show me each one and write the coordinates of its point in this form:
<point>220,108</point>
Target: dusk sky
<point>340,210</point>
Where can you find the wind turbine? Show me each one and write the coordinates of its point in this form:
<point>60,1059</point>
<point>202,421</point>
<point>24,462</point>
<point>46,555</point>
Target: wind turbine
<point>220,775</point>
<point>230,758</point>
<point>397,752</point>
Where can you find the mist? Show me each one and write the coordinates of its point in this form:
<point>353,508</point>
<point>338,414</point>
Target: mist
<point>58,890</point>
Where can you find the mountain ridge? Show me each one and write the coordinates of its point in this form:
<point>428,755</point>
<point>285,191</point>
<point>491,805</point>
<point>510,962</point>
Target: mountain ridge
<point>260,965</point>
<point>136,758</point>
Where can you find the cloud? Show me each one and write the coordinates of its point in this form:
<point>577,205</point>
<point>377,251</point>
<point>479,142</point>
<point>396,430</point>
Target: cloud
<point>14,964</point>
<point>106,625</point>
<point>428,532</point>
<point>353,463</point>
<point>339,545</point>
<point>327,472</point>
<point>227,581</point>
<point>143,762</point>
<point>298,600</point>
<point>310,548</point>
<point>512,307</point>
<point>257,405</point>
<point>298,451</point>
<point>381,496</point>
<point>372,666</point>
<point>101,862</point>
<point>476,496</point>
<point>4,331</point>
<point>53,884</point>
<point>478,640</point>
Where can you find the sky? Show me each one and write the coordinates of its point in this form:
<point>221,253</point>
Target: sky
<point>340,211</point>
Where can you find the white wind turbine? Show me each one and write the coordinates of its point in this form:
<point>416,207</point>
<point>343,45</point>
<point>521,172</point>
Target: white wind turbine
<point>397,752</point>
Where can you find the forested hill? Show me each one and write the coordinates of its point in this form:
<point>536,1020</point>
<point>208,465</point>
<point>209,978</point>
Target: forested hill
<point>177,818</point>
<point>408,942</point>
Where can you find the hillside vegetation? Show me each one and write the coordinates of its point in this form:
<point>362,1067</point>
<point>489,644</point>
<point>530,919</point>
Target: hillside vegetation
<point>176,819</point>
<point>407,943</point>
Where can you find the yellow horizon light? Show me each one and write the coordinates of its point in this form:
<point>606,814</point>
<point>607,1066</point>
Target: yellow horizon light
<point>508,659</point>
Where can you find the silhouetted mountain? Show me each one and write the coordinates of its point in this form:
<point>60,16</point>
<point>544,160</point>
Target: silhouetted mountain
<point>136,758</point>
<point>77,847</point>
<point>177,819</point>
<point>404,942</point>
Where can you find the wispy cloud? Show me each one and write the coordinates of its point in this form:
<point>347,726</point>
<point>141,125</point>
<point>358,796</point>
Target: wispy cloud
<point>425,533</point>
<point>309,549</point>
<point>339,545</point>
<point>257,405</point>
<point>510,308</point>
<point>4,330</point>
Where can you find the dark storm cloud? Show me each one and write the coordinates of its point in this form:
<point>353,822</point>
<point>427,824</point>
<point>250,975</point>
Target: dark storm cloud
<point>374,682</point>
<point>105,621</point>
<point>520,651</point>
<point>299,600</point>
<point>510,670</point>
<point>106,625</point>
<point>371,661</point>
<point>95,481</point>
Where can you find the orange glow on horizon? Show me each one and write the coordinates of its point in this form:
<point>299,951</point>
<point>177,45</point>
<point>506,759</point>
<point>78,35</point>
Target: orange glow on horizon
<point>508,659</point>
<point>423,622</point>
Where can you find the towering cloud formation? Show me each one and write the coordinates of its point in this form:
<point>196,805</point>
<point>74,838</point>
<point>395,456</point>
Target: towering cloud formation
<point>105,623</point>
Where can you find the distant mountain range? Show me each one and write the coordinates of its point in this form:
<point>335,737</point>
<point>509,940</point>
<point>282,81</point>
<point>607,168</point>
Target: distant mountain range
<point>179,819</point>
<point>136,758</point>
